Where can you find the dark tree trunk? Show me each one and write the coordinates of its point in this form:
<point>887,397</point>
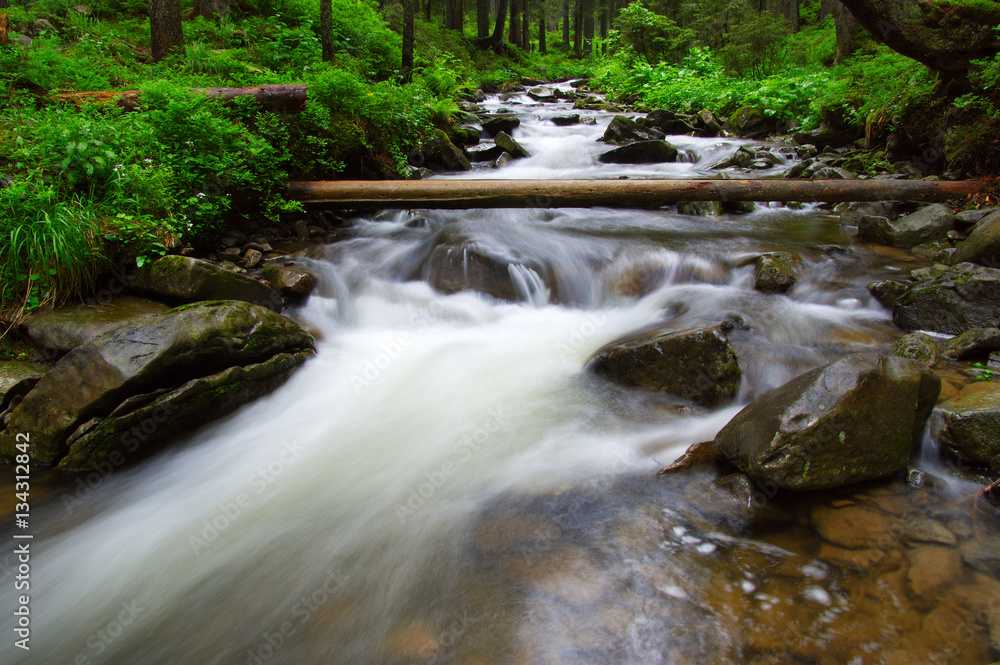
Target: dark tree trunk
<point>578,28</point>
<point>496,39</point>
<point>165,33</point>
<point>209,8</point>
<point>427,11</point>
<point>326,29</point>
<point>449,14</point>
<point>588,27</point>
<point>515,23</point>
<point>826,8</point>
<point>525,26</point>
<point>604,27</point>
<point>458,16</point>
<point>792,17</point>
<point>409,11</point>
<point>565,23</point>
<point>847,29</point>
<point>482,19</point>
<point>541,34</point>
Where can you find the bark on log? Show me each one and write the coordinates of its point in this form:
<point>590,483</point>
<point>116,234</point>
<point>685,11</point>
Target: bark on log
<point>456,194</point>
<point>278,98</point>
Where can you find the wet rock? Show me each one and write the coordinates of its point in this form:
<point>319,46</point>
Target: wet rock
<point>742,158</point>
<point>503,160</point>
<point>290,281</point>
<point>66,328</point>
<point>930,223</point>
<point>856,526</point>
<point>542,96</point>
<point>983,244</point>
<point>826,137</point>
<point>494,124</point>
<point>105,379</point>
<point>973,343</point>
<point>925,530</point>
<point>17,378</point>
<point>832,173</point>
<point>968,218</point>
<point>853,420</point>
<point>887,290</point>
<point>700,208</point>
<point>510,146</point>
<point>641,152</point>
<point>771,274</point>
<point>230,255</point>
<point>252,257</point>
<point>440,154</point>
<point>182,279</point>
<point>968,424</point>
<point>750,122</point>
<point>457,264</point>
<point>488,154</point>
<point>696,365</point>
<point>707,124</point>
<point>932,568</point>
<point>951,301</point>
<point>566,120</point>
<point>623,130</point>
<point>917,346</point>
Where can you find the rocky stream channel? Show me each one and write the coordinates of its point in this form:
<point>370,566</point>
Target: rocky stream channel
<point>446,447</point>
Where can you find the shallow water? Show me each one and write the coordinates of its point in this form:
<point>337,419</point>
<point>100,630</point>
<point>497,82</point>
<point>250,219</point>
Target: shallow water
<point>445,482</point>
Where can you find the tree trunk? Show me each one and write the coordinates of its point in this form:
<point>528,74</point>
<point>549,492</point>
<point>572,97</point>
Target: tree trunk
<point>495,41</point>
<point>577,28</point>
<point>459,194</point>
<point>565,24</point>
<point>847,29</point>
<point>449,14</point>
<point>165,33</point>
<point>209,8</point>
<point>4,25</point>
<point>515,22</point>
<point>826,8</point>
<point>588,27</point>
<point>458,16</point>
<point>525,26</point>
<point>604,27</point>
<point>792,17</point>
<point>409,11</point>
<point>482,19</point>
<point>326,29</point>
<point>541,34</point>
<point>427,11</point>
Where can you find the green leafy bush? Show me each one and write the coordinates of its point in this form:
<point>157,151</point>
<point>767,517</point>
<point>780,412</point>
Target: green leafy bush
<point>651,36</point>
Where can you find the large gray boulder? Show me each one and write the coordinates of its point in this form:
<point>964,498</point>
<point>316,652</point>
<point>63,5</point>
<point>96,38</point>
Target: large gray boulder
<point>501,122</point>
<point>983,244</point>
<point>641,152</point>
<point>440,154</point>
<point>929,223</point>
<point>951,301</point>
<point>510,146</point>
<point>972,343</point>
<point>17,378</point>
<point>968,424</point>
<point>623,130</point>
<point>458,263</point>
<point>853,420</point>
<point>772,273</point>
<point>750,122</point>
<point>697,365</point>
<point>182,279</point>
<point>128,369</point>
<point>65,328</point>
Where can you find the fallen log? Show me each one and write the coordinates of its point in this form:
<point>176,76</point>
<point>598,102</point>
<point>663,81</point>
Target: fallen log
<point>277,98</point>
<point>366,194</point>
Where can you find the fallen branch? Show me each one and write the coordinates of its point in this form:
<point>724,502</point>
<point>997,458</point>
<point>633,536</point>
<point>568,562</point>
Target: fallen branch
<point>364,194</point>
<point>278,98</point>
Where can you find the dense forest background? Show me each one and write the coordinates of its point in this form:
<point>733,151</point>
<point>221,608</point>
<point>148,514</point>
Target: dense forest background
<point>88,186</point>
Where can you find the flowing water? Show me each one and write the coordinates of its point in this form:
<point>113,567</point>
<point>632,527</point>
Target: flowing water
<point>445,482</point>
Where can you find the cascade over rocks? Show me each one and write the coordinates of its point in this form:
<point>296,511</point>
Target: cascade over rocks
<point>853,420</point>
<point>163,375</point>
<point>696,365</point>
<point>641,152</point>
<point>182,279</point>
<point>457,263</point>
<point>951,300</point>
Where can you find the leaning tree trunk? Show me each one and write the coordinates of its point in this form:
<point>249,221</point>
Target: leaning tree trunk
<point>409,12</point>
<point>847,29</point>
<point>495,41</point>
<point>326,29</point>
<point>166,35</point>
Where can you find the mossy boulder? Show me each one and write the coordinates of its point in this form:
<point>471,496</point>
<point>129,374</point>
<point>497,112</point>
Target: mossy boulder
<point>132,366</point>
<point>182,279</point>
<point>292,282</point>
<point>750,122</point>
<point>917,346</point>
<point>440,154</point>
<point>968,424</point>
<point>951,300</point>
<point>853,420</point>
<point>17,378</point>
<point>931,222</point>
<point>501,122</point>
<point>983,244</point>
<point>696,365</point>
<point>772,273</point>
<point>973,343</point>
<point>510,146</point>
<point>65,328</point>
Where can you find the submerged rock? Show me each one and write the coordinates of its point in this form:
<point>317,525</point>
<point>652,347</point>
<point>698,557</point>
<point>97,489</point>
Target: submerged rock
<point>700,208</point>
<point>459,264</point>
<point>983,244</point>
<point>66,328</point>
<point>968,424</point>
<point>92,397</point>
<point>182,279</point>
<point>696,365</point>
<point>641,152</point>
<point>951,301</point>
<point>932,222</point>
<point>853,420</point>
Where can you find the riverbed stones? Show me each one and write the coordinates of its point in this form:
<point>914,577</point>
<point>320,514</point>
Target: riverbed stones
<point>700,208</point>
<point>932,567</point>
<point>750,122</point>
<point>853,420</point>
<point>917,346</point>
<point>459,264</point>
<point>292,282</point>
<point>856,526</point>
<point>440,154</point>
<point>65,328</point>
<point>772,274</point>
<point>641,152</point>
<point>565,120</point>
<point>183,279</point>
<point>623,130</point>
<point>17,378</point>
<point>502,122</point>
<point>968,424</point>
<point>696,365</point>
<point>930,223</point>
<point>973,343</point>
<point>983,244</point>
<point>951,300</point>
<point>510,146</point>
<point>133,367</point>
<point>886,291</point>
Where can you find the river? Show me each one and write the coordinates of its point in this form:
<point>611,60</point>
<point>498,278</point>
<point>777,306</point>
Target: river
<point>446,483</point>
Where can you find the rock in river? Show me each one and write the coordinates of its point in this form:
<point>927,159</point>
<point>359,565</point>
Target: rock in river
<point>697,365</point>
<point>968,424</point>
<point>772,274</point>
<point>929,223</point>
<point>66,328</point>
<point>951,301</point>
<point>623,130</point>
<point>182,279</point>
<point>983,244</point>
<point>852,420</point>
<point>142,384</point>
<point>641,152</point>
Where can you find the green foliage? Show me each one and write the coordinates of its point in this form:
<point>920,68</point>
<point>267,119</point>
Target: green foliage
<point>755,45</point>
<point>651,36</point>
<point>813,46</point>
